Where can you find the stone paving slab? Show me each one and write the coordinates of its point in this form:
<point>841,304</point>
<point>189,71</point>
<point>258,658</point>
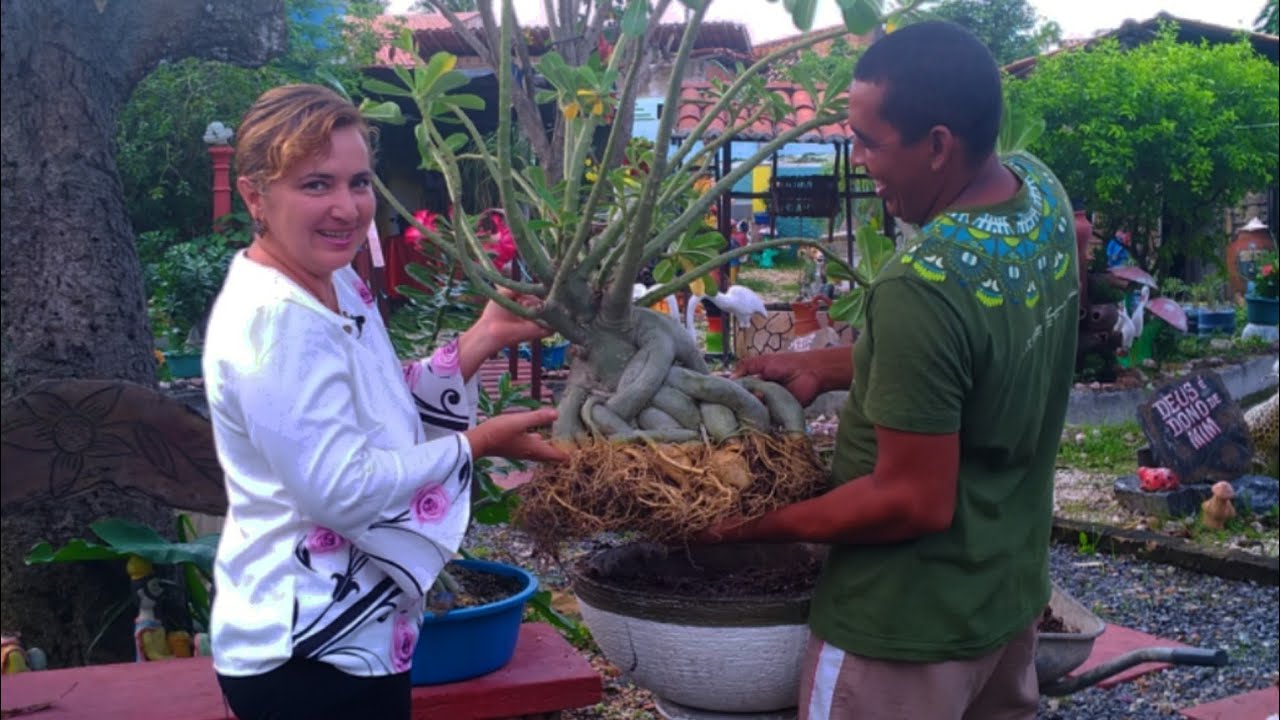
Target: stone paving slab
<point>1256,705</point>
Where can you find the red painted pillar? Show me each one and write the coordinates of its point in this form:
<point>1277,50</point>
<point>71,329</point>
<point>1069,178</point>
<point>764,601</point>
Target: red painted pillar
<point>221,155</point>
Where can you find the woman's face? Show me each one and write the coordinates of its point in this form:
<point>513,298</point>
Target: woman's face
<point>317,215</point>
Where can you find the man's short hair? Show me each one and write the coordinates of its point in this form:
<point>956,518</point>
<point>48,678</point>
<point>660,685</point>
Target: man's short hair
<point>936,73</point>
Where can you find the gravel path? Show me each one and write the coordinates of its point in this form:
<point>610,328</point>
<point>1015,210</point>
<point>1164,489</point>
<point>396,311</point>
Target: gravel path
<point>1199,610</point>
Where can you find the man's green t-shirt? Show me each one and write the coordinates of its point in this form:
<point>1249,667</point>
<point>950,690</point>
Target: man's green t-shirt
<point>971,330</point>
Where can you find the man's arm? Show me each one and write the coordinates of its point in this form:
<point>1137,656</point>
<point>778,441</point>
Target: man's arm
<point>910,493</point>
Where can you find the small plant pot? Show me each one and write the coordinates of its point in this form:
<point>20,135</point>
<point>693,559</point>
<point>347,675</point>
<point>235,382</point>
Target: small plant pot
<point>1262,311</point>
<point>183,365</point>
<point>1216,321</point>
<point>553,356</point>
<point>474,641</point>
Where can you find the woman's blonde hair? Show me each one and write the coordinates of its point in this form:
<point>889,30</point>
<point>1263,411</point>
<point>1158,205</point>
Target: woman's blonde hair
<point>289,123</point>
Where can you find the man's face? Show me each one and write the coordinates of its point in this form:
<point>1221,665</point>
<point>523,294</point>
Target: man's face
<point>903,173</point>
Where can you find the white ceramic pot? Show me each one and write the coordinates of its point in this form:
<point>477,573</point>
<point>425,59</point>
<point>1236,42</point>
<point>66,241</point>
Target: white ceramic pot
<point>739,654</point>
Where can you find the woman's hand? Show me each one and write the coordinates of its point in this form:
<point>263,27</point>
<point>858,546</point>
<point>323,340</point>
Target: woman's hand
<point>507,328</point>
<point>511,435</point>
<point>497,328</point>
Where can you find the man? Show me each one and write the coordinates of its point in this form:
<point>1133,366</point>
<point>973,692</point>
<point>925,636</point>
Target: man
<point>940,515</point>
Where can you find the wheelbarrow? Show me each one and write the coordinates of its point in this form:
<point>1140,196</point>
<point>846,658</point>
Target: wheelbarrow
<point>1057,654</point>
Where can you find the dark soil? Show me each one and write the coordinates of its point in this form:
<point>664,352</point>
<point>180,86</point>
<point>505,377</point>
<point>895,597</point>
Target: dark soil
<point>1050,623</point>
<point>712,582</point>
<point>482,588</point>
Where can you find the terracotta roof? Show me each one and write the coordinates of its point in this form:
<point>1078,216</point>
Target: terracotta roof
<point>823,48</point>
<point>696,99</point>
<point>1132,33</point>
<point>420,22</point>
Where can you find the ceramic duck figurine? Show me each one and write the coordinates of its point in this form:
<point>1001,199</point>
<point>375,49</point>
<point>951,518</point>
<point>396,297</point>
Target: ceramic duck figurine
<point>149,637</point>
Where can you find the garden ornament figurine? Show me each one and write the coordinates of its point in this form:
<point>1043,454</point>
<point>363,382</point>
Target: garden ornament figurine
<point>1217,510</point>
<point>13,659</point>
<point>1157,479</point>
<point>149,637</point>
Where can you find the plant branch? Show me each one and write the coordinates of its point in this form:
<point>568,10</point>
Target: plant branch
<point>683,280</point>
<point>533,254</point>
<point>726,183</point>
<point>741,81</point>
<point>617,304</point>
<point>439,241</point>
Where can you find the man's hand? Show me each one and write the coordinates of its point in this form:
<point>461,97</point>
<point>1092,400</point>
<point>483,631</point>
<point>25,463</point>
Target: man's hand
<point>511,435</point>
<point>792,370</point>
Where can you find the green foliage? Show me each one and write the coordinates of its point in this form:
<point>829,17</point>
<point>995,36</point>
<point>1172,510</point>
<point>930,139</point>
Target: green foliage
<point>875,250</point>
<point>1087,545</point>
<point>1019,129</point>
<point>1164,129</point>
<point>183,282</point>
<point>1009,28</point>
<point>193,556</point>
<point>451,307</point>
<point>491,504</point>
<point>1108,449</point>
<point>1264,278</point>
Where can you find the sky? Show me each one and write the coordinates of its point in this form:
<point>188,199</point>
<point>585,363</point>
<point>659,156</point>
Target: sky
<point>1079,18</point>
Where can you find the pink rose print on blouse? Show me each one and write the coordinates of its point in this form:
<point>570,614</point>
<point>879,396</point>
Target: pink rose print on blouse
<point>363,289</point>
<point>412,372</point>
<point>430,504</point>
<point>444,361</point>
<point>404,637</point>
<point>324,540</point>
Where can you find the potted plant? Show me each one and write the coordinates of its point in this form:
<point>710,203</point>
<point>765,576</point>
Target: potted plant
<point>587,214</point>
<point>1262,305</point>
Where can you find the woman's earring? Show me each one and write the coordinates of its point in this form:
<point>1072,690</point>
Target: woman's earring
<point>259,227</point>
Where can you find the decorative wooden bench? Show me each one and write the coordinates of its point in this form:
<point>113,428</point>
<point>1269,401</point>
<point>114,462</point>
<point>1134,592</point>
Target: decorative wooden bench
<point>545,676</point>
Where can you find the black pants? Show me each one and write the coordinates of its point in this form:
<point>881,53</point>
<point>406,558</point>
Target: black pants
<point>311,690</point>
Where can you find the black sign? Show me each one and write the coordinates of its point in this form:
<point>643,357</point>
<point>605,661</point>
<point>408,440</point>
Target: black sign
<point>1196,429</point>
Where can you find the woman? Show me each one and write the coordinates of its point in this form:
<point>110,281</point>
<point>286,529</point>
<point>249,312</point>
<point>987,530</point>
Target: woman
<point>348,475</point>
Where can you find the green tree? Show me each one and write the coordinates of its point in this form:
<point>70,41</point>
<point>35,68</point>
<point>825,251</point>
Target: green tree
<point>1158,139</point>
<point>1010,29</point>
<point>1267,18</point>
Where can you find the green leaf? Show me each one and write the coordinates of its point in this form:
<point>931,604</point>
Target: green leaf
<point>132,538</point>
<point>664,271</point>
<point>379,87</point>
<point>386,112</point>
<point>465,101</point>
<point>635,19</point>
<point>861,16</point>
<point>75,550</point>
<point>802,12</point>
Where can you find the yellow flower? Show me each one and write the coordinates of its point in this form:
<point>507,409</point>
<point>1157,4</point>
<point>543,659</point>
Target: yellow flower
<point>597,108</point>
<point>571,111</point>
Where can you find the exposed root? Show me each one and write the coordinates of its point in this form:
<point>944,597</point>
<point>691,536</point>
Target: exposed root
<point>666,492</point>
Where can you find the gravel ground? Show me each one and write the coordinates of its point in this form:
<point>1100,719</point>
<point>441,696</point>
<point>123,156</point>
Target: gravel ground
<point>1198,610</point>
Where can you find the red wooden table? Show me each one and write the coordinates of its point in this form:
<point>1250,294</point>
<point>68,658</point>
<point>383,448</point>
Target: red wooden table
<point>545,675</point>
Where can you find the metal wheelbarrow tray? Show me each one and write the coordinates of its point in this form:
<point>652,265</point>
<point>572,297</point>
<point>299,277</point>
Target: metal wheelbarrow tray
<point>1057,654</point>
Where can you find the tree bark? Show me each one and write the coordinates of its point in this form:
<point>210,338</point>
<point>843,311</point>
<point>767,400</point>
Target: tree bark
<point>71,297</point>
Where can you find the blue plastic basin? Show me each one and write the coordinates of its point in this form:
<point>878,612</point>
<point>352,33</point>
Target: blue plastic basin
<point>470,642</point>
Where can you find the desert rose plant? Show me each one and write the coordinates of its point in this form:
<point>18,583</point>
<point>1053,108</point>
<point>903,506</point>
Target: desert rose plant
<point>662,445</point>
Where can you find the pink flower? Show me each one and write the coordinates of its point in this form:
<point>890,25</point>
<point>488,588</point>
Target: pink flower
<point>404,637</point>
<point>430,504</point>
<point>412,372</point>
<point>363,289</point>
<point>324,540</point>
<point>444,361</point>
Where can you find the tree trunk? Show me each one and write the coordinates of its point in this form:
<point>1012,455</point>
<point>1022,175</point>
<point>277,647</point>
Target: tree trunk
<point>71,296</point>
